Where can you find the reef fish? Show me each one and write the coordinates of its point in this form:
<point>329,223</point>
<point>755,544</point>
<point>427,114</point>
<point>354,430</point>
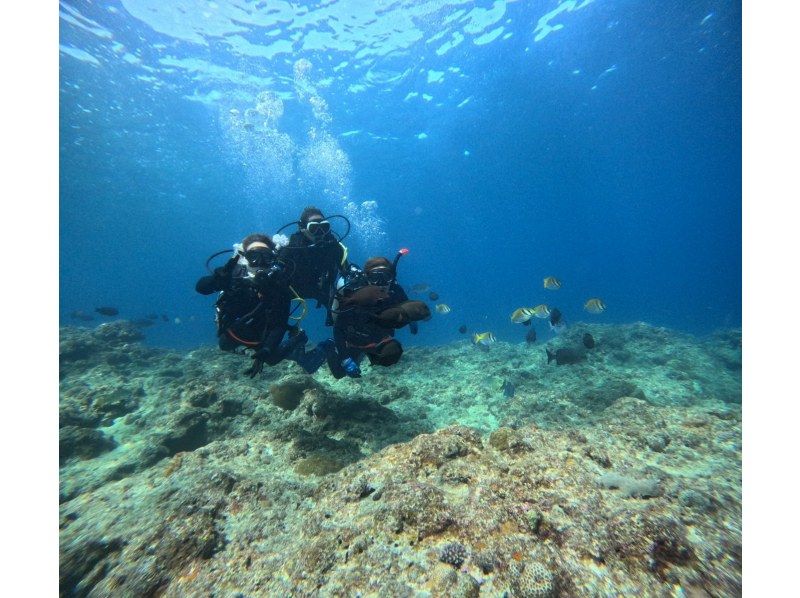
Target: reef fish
<point>530,338</point>
<point>552,283</point>
<point>462,329</point>
<point>107,311</point>
<point>557,323</point>
<point>588,341</point>
<point>443,308</point>
<point>594,306</point>
<point>433,296</point>
<point>523,315</point>
<point>565,356</point>
<point>420,287</point>
<point>483,338</point>
<point>508,389</point>
<point>541,311</point>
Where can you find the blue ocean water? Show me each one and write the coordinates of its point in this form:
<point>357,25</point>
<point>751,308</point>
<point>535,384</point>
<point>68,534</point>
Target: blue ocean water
<point>500,142</point>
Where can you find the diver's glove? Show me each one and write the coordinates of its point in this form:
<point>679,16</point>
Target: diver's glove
<point>222,275</point>
<point>259,358</point>
<point>351,368</point>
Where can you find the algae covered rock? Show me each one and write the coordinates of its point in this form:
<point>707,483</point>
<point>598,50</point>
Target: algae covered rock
<point>418,506</point>
<point>321,489</point>
<point>287,394</point>
<point>82,443</point>
<point>318,464</point>
<point>631,487</point>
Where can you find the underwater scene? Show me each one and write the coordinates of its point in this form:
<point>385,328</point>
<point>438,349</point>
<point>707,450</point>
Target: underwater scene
<point>400,298</point>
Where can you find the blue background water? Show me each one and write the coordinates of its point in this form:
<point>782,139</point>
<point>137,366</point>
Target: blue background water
<point>606,152</point>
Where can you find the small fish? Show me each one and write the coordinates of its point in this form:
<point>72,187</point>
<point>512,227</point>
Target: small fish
<point>142,323</point>
<point>541,311</point>
<point>152,316</point>
<point>594,306</point>
<point>443,308</point>
<point>177,320</point>
<point>420,288</point>
<point>522,315</point>
<point>248,126</point>
<point>552,283</point>
<point>81,315</point>
<point>508,389</point>
<point>433,296</point>
<point>565,356</point>
<point>483,338</point>
<point>530,338</point>
<point>233,112</point>
<point>557,323</point>
<point>588,341</point>
<point>164,318</point>
<point>107,311</point>
<point>462,329</point>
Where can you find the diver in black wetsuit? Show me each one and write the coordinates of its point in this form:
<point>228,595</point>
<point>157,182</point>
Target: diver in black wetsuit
<point>253,305</point>
<point>316,256</point>
<point>369,306</point>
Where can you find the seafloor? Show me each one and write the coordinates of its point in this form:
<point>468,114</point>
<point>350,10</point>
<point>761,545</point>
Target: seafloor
<point>616,476</point>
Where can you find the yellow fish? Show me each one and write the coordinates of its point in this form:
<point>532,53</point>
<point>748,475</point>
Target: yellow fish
<point>552,283</point>
<point>541,311</point>
<point>483,338</point>
<point>443,308</point>
<point>594,306</point>
<point>522,315</point>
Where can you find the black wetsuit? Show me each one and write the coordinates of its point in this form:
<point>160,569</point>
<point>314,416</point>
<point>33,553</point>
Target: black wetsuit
<point>315,266</point>
<point>250,312</point>
<point>357,332</point>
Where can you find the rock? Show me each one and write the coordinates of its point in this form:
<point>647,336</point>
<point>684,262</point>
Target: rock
<point>81,443</point>
<point>288,394</point>
<point>631,487</point>
<point>318,465</point>
<point>187,432</point>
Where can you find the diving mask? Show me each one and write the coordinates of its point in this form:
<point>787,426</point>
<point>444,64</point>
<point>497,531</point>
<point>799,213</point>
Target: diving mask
<point>380,276</point>
<point>258,257</point>
<point>318,228</point>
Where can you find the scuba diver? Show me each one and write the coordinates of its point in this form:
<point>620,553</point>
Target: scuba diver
<point>317,256</point>
<point>252,310</point>
<point>369,305</point>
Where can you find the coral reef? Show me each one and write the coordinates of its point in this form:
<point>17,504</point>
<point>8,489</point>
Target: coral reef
<point>617,475</point>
